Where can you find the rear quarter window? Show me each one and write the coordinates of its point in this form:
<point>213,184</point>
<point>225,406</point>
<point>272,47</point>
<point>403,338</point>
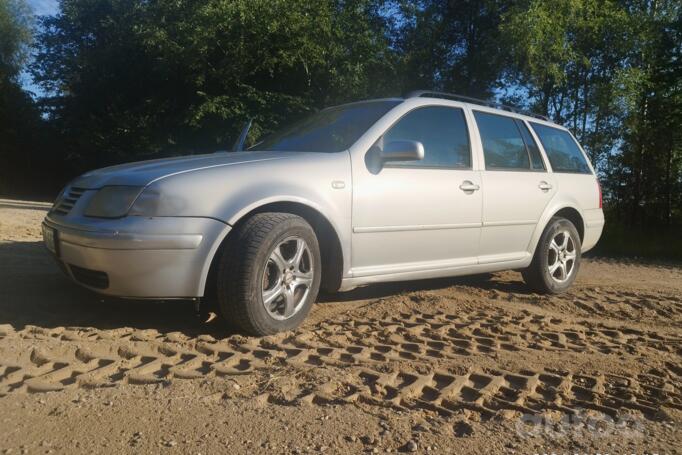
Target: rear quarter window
<point>562,151</point>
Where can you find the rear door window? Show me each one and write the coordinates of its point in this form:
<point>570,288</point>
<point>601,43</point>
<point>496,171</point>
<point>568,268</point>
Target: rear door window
<point>503,144</point>
<point>562,151</point>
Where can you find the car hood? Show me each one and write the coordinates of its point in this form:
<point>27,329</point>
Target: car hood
<point>143,173</point>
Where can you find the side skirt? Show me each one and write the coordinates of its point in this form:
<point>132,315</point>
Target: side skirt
<point>517,263</point>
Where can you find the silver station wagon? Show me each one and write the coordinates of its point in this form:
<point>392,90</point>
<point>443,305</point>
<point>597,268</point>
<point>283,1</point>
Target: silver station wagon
<point>430,185</point>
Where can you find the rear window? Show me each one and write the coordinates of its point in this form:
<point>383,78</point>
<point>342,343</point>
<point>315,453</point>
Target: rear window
<point>562,151</point>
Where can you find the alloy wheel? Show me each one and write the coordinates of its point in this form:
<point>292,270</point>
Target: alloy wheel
<point>561,256</point>
<point>287,278</point>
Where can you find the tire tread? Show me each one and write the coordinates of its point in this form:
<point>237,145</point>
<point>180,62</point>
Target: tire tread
<point>533,275</point>
<point>237,266</point>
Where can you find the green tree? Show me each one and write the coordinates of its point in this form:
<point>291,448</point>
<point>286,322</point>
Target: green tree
<point>646,176</point>
<point>20,122</point>
<point>15,37</point>
<point>452,45</point>
<point>566,54</point>
<point>611,71</point>
<point>131,77</point>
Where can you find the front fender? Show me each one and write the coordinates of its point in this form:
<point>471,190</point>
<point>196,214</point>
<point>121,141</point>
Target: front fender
<point>339,222</point>
<point>255,203</point>
<point>230,193</point>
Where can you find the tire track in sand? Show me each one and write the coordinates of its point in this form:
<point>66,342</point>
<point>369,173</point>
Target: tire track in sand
<point>369,347</point>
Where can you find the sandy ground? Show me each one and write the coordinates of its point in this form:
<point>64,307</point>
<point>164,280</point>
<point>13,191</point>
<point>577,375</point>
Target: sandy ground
<point>474,365</point>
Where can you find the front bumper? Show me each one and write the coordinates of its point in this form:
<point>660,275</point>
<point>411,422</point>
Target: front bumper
<point>139,257</point>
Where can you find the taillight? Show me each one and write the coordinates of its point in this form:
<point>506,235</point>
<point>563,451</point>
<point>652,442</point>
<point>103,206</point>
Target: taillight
<point>600,195</point>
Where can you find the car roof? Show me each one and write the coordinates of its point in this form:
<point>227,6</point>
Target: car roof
<point>471,100</point>
<point>472,103</point>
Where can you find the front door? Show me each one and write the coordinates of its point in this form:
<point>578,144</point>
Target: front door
<point>419,215</point>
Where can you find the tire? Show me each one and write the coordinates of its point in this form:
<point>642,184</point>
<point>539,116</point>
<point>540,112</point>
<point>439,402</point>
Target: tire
<point>539,276</point>
<point>251,272</point>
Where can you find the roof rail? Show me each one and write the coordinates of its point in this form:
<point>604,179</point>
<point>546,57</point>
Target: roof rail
<point>467,99</point>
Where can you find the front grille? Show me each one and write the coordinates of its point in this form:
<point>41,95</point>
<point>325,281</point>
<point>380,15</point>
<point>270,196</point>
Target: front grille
<point>66,202</point>
<point>92,278</point>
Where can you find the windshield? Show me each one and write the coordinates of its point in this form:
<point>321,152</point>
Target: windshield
<point>330,130</point>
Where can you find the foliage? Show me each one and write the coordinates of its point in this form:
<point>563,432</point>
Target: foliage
<point>610,70</point>
<point>566,54</point>
<point>645,177</point>
<point>452,45</point>
<point>15,37</point>
<point>20,124</point>
<point>133,77</point>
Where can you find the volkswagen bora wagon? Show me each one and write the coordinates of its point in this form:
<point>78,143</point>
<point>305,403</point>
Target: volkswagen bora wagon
<point>430,185</point>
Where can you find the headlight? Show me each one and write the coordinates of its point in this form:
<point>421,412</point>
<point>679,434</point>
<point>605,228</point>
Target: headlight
<point>147,203</point>
<point>112,201</point>
<point>155,202</point>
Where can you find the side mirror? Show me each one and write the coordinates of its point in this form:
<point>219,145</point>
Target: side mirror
<point>402,151</point>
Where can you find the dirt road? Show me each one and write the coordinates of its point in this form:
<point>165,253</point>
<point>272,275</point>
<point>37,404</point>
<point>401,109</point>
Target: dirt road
<point>442,366</point>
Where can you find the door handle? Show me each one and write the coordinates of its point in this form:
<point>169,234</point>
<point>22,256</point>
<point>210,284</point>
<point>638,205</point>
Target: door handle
<point>468,186</point>
<point>544,186</point>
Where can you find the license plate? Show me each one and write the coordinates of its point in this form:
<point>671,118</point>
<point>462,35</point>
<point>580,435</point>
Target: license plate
<point>50,239</point>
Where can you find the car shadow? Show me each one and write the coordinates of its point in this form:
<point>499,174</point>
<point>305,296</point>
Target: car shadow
<point>483,281</point>
<point>34,292</point>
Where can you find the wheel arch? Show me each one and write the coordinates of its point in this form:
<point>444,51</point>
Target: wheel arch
<point>569,211</point>
<point>328,237</point>
<point>572,215</point>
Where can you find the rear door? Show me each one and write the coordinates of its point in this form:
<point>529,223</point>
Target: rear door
<point>516,186</point>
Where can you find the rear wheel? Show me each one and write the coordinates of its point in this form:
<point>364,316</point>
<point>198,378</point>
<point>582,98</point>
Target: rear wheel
<point>270,276</point>
<point>557,258</point>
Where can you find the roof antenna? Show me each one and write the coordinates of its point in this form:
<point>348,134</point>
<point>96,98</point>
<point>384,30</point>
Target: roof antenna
<point>239,144</point>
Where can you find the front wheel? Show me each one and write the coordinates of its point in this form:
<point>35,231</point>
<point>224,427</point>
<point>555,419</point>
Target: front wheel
<point>557,258</point>
<point>270,275</point>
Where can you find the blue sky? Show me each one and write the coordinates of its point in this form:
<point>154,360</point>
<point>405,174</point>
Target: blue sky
<point>40,8</point>
<point>43,7</point>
